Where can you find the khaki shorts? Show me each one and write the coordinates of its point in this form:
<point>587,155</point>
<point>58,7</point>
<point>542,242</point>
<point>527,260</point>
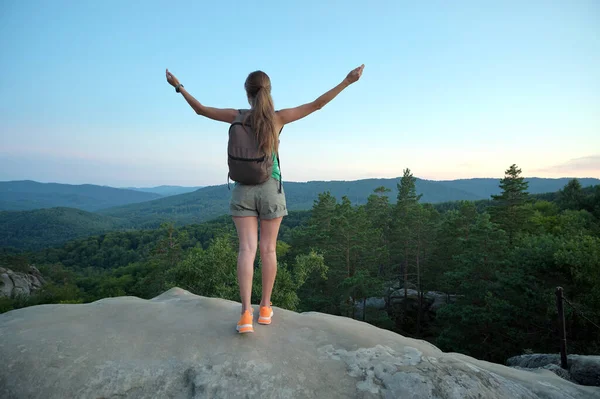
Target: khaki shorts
<point>262,200</point>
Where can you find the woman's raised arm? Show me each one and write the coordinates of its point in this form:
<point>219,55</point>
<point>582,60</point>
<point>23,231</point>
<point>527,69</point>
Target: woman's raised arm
<point>289,115</point>
<point>219,114</point>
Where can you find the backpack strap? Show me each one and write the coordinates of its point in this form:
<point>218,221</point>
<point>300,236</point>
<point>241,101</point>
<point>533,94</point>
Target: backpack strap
<point>279,163</point>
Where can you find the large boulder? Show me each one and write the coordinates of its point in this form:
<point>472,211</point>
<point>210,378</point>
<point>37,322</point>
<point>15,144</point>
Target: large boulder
<point>179,345</point>
<point>584,370</point>
<point>432,301</point>
<point>371,303</point>
<point>14,283</point>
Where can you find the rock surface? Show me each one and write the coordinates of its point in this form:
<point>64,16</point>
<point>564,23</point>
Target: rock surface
<point>583,370</point>
<point>179,345</point>
<point>18,283</point>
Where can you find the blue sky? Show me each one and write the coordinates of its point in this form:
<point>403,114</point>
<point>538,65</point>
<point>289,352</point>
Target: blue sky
<point>450,89</point>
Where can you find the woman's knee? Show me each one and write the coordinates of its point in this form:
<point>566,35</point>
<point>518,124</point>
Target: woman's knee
<point>247,233</point>
<point>268,247</point>
<point>247,248</point>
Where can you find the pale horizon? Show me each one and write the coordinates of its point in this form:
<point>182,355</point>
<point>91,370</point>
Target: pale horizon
<point>141,186</point>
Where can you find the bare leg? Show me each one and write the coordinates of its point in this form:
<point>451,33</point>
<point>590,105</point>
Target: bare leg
<point>268,242</point>
<point>247,229</point>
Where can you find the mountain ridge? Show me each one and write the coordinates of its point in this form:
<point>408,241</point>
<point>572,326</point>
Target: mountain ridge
<point>21,195</point>
<point>165,190</point>
<point>212,201</point>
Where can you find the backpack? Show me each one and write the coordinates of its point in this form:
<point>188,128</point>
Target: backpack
<point>248,164</point>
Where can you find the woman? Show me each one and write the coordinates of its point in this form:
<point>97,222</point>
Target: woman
<point>264,201</point>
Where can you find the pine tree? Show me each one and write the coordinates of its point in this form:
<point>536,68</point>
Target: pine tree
<point>571,196</point>
<point>476,323</point>
<point>453,231</point>
<point>403,219</point>
<point>317,236</point>
<point>423,242</point>
<point>379,214</point>
<point>509,210</point>
<point>350,246</point>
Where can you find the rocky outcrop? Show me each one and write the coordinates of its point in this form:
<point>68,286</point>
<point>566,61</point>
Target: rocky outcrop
<point>432,301</point>
<point>180,345</point>
<point>584,370</point>
<point>13,283</point>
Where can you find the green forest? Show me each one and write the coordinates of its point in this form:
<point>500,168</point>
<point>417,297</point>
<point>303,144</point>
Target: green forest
<point>34,216</point>
<point>475,277</point>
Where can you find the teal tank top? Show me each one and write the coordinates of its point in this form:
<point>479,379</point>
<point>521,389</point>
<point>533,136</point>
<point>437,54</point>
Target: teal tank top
<point>276,172</point>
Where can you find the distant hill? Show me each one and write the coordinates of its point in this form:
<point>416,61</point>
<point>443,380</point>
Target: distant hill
<point>48,227</point>
<point>165,191</point>
<point>195,207</point>
<point>485,188</point>
<point>28,195</point>
<point>210,202</point>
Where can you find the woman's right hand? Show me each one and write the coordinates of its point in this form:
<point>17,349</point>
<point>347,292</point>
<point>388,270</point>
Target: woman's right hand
<point>355,74</point>
<point>171,79</point>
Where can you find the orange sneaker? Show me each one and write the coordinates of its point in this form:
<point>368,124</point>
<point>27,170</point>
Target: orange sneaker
<point>265,314</point>
<point>245,323</point>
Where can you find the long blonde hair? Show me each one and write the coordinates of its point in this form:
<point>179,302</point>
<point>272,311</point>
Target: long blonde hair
<point>262,117</point>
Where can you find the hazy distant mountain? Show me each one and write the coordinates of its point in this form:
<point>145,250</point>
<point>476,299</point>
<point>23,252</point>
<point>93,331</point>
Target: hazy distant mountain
<point>165,191</point>
<point>28,195</point>
<point>210,202</point>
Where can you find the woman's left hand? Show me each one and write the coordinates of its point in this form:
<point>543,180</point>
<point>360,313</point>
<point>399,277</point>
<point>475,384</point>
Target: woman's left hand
<point>171,79</point>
